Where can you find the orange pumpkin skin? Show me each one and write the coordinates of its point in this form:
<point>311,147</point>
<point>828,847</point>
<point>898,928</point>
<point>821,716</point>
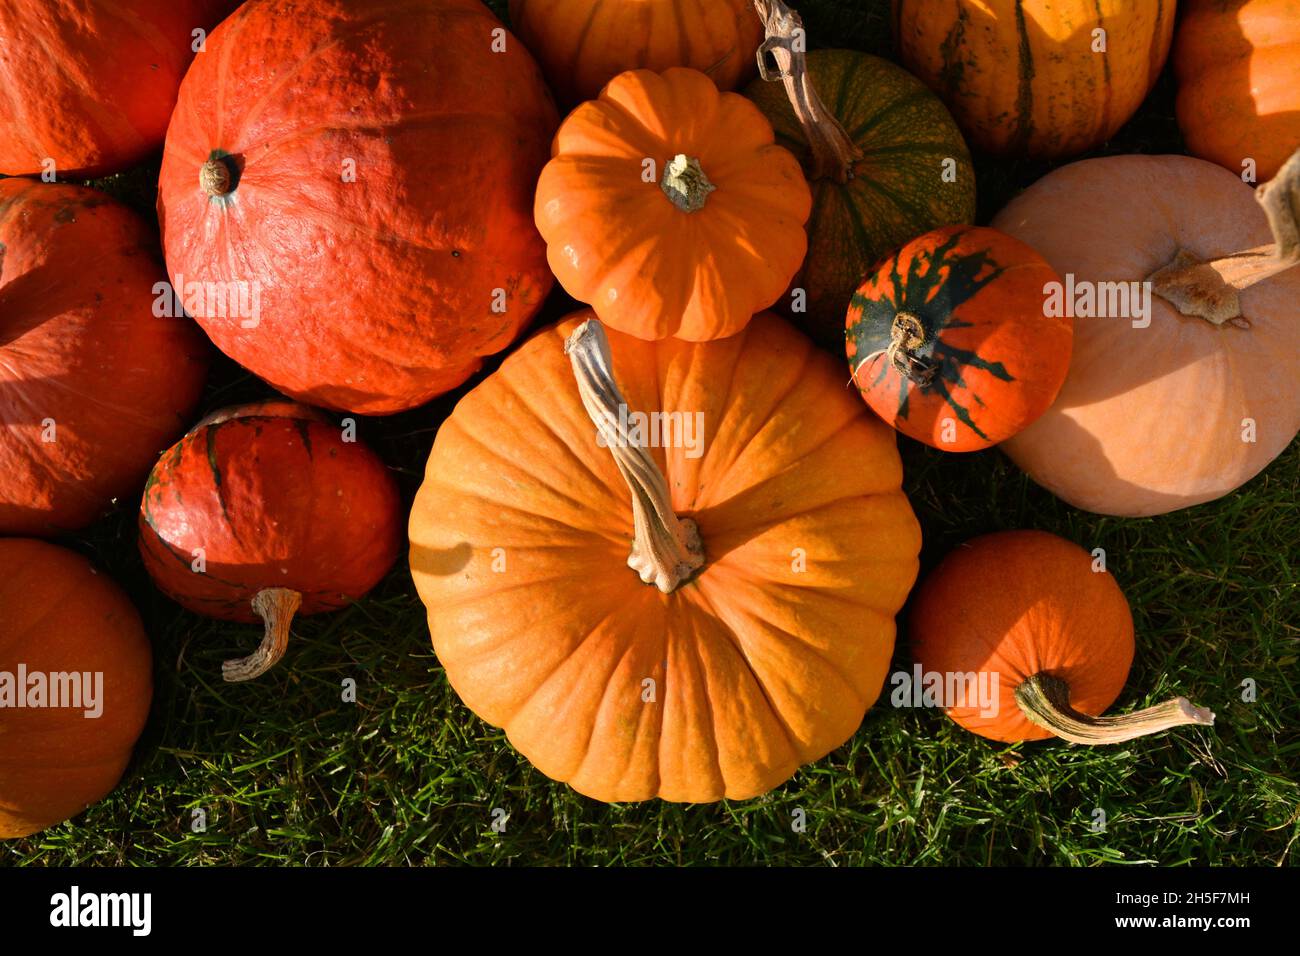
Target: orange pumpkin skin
<point>582,46</point>
<point>91,83</point>
<point>992,360</point>
<point>1150,419</point>
<point>758,667</point>
<point>1014,604</point>
<point>380,161</point>
<point>1238,66</point>
<point>60,615</point>
<point>92,382</point>
<point>646,266</point>
<point>1021,76</point>
<point>275,498</point>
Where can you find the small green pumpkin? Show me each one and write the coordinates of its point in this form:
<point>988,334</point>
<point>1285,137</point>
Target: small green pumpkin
<point>879,187</point>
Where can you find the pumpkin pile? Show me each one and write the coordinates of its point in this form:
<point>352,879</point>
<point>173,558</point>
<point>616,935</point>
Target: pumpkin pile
<point>662,545</point>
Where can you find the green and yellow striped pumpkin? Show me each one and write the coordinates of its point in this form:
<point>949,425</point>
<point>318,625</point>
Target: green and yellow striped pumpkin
<point>1041,78</point>
<point>895,190</point>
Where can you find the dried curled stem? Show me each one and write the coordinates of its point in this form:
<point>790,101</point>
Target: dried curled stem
<point>833,152</point>
<point>666,549</point>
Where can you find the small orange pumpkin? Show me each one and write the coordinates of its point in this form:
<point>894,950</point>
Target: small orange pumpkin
<point>59,616</point>
<point>1026,613</point>
<point>668,207</point>
<point>779,546</point>
<point>949,342</point>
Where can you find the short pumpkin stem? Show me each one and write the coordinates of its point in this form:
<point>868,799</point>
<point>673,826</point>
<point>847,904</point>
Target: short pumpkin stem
<point>906,335</point>
<point>685,184</point>
<point>214,177</point>
<point>276,607</point>
<point>1211,290</point>
<point>666,549</point>
<point>833,152</point>
<point>1045,701</point>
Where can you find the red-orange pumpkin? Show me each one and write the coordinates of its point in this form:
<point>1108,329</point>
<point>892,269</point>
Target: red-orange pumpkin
<point>59,618</point>
<point>1028,617</point>
<point>265,510</point>
<point>948,339</point>
<point>93,383</point>
<point>366,168</point>
<point>90,84</point>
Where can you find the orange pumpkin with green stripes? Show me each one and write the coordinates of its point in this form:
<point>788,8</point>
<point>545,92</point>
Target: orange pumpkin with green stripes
<point>896,167</point>
<point>1041,78</point>
<point>950,342</point>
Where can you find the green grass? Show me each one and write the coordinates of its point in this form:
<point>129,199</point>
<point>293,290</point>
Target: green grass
<point>288,774</point>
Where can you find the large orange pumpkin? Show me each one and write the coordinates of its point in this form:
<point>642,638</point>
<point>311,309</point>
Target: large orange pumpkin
<point>69,629</point>
<point>1028,77</point>
<point>948,340</point>
<point>90,84</point>
<point>1238,64</point>
<point>93,381</point>
<point>1192,399</point>
<point>581,46</point>
<point>1028,619</point>
<point>773,533</point>
<point>367,169</point>
<point>668,208</point>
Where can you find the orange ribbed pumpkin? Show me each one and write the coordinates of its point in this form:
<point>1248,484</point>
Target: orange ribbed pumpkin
<point>93,383</point>
<point>1238,65</point>
<point>1027,77</point>
<point>778,548</point>
<point>582,46</point>
<point>59,616</point>
<point>367,169</point>
<point>669,209</point>
<point>1030,616</point>
<point>90,84</point>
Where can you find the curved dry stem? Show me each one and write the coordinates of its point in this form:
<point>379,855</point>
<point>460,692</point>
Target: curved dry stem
<point>666,549</point>
<point>1045,701</point>
<point>1211,290</point>
<point>833,152</point>
<point>276,607</point>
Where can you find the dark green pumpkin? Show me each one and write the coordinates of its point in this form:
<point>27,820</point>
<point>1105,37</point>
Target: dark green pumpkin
<point>897,189</point>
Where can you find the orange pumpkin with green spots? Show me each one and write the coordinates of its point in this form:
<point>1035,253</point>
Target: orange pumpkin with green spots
<point>948,340</point>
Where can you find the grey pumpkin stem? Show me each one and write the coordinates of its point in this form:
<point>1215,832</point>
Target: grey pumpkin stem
<point>666,549</point>
<point>276,607</point>
<point>1045,701</point>
<point>1211,290</point>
